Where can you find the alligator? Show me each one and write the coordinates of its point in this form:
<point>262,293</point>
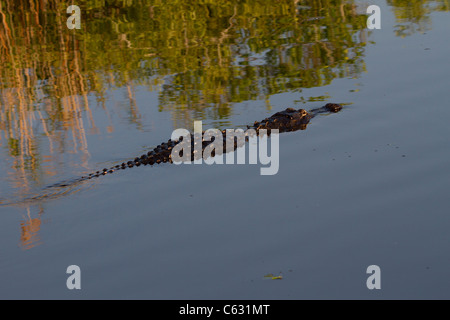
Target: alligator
<point>283,121</point>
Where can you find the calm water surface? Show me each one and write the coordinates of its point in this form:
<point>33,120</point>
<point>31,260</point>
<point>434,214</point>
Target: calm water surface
<point>366,186</point>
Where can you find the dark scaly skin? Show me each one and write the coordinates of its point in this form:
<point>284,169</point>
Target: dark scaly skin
<point>293,120</point>
<point>284,121</point>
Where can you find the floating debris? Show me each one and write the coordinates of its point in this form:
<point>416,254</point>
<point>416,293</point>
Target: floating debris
<point>271,276</point>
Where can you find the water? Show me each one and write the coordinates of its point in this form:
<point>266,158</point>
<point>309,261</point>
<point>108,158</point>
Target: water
<point>366,186</point>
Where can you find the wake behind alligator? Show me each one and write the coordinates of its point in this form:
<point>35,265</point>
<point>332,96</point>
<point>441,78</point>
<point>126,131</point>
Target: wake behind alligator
<point>284,121</point>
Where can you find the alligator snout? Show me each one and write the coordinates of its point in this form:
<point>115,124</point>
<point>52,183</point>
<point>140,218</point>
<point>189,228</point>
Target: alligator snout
<point>333,107</point>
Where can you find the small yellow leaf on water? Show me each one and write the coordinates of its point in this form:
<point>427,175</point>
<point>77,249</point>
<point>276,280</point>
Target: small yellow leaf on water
<point>272,277</point>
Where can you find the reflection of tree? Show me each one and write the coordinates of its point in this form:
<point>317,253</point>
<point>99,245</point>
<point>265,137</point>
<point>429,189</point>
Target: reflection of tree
<point>29,227</point>
<point>414,16</point>
<point>254,52</point>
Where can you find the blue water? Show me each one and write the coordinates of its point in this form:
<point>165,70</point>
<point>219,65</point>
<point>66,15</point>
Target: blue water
<point>366,186</point>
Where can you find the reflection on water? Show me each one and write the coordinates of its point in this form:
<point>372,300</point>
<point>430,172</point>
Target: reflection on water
<point>414,16</point>
<point>201,57</point>
<point>29,231</point>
